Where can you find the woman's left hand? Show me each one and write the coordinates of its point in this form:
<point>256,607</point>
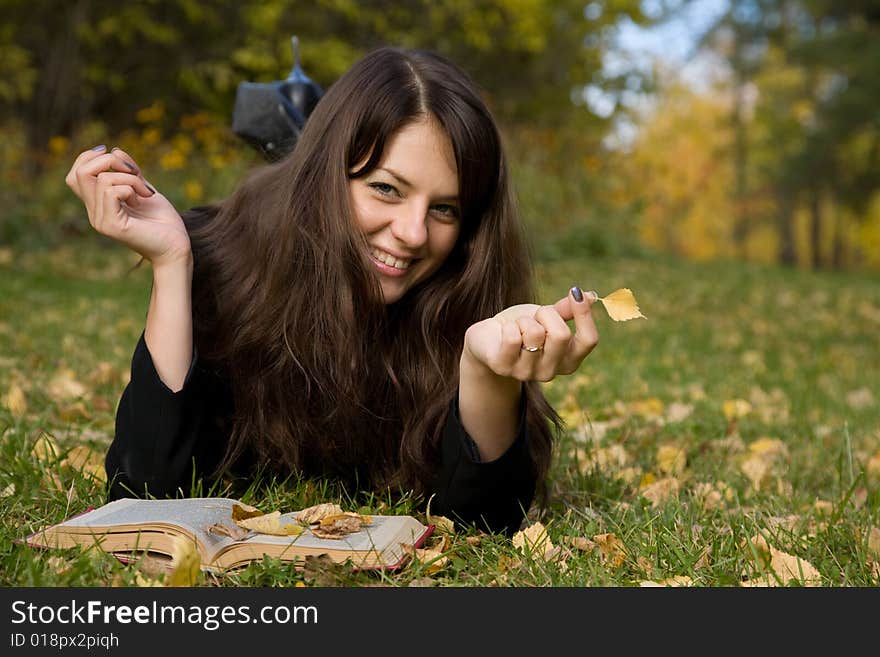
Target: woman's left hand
<point>528,342</point>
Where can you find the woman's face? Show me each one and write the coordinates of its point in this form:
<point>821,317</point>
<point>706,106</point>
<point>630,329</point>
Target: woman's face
<point>408,208</point>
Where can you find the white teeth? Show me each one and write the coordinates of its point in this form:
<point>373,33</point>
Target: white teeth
<point>389,259</point>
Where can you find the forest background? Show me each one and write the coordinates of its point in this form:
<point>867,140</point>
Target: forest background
<point>773,157</point>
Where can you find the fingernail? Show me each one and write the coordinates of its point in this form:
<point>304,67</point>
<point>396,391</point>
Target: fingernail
<point>150,187</point>
<point>594,294</point>
<point>130,166</point>
<point>577,293</point>
<point>99,147</point>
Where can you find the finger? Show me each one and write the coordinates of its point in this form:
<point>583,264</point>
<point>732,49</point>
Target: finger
<point>82,158</point>
<point>143,188</point>
<point>126,160</point>
<point>510,349</point>
<point>532,334</point>
<point>112,215</point>
<point>558,334</point>
<point>586,336</point>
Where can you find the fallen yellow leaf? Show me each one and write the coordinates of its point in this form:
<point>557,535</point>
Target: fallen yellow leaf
<point>535,541</point>
<point>15,401</point>
<point>736,408</point>
<point>442,524</point>
<point>45,448</point>
<point>64,386</point>
<point>678,580</point>
<point>621,305</point>
<point>612,548</point>
<point>782,567</point>
<point>661,490</point>
<point>671,459</point>
<point>185,563</point>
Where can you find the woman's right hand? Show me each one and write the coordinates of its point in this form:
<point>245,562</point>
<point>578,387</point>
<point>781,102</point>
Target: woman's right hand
<point>126,208</point>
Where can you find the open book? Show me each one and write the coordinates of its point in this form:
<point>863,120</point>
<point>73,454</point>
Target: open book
<point>128,528</point>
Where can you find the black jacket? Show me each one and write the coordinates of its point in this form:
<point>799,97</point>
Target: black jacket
<point>166,440</point>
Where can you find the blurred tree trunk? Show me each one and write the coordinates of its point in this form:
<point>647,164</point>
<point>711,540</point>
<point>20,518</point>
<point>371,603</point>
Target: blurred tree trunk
<point>740,148</point>
<point>787,250</point>
<point>53,107</point>
<point>814,202</point>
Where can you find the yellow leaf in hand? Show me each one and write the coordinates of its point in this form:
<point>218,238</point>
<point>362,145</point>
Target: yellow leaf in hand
<point>621,305</point>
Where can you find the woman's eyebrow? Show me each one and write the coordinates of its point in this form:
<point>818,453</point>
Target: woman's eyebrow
<point>406,183</point>
<point>396,175</point>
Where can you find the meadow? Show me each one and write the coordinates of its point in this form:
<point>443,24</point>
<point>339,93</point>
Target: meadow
<point>730,438</point>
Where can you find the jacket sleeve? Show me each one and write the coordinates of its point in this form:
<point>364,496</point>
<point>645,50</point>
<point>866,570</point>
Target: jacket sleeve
<point>494,495</point>
<point>162,437</point>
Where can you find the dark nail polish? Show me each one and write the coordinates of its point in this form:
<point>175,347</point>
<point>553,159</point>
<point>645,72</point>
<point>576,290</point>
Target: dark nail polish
<point>130,166</point>
<point>100,147</point>
<point>577,293</point>
<point>150,187</point>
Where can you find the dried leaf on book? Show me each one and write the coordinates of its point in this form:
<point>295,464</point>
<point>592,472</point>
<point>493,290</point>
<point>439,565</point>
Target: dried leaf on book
<point>318,512</point>
<point>340,524</point>
<point>270,523</point>
<point>221,529</point>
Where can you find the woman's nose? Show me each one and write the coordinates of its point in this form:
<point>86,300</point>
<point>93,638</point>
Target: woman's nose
<point>409,225</point>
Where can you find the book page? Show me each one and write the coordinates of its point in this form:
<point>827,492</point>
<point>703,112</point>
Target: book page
<point>382,537</point>
<point>193,514</point>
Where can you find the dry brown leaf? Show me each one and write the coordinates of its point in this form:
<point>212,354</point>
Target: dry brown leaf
<point>146,582</point>
<point>244,511</point>
<point>783,567</point>
<point>621,305</point>
<point>535,541</point>
<point>661,490</point>
<point>677,580</point>
<point>340,524</point>
<point>15,401</point>
<point>678,412</point>
<point>612,548</point>
<point>581,543</point>
<point>45,448</point>
<point>329,521</point>
<point>318,512</point>
<point>434,560</point>
<point>874,543</point>
<point>222,529</point>
<point>708,495</point>
<point>442,524</point>
<point>734,409</point>
<point>64,386</point>
<point>87,461</point>
<point>671,459</point>
<point>603,459</point>
<point>185,563</point>
<point>270,523</point>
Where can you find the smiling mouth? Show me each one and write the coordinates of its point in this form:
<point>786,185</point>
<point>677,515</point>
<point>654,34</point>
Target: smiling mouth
<point>390,260</point>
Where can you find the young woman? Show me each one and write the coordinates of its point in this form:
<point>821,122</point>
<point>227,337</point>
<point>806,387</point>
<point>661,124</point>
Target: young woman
<point>362,309</point>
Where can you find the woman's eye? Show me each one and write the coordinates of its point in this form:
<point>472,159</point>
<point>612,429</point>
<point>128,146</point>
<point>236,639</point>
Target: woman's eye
<point>383,188</point>
<point>449,211</point>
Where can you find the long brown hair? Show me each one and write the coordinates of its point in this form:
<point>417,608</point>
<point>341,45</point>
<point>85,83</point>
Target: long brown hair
<point>326,379</point>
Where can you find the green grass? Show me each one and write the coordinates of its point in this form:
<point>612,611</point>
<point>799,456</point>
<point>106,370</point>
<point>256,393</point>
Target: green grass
<point>800,347</point>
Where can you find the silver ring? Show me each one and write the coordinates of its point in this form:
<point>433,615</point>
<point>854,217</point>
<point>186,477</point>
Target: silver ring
<point>532,349</point>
